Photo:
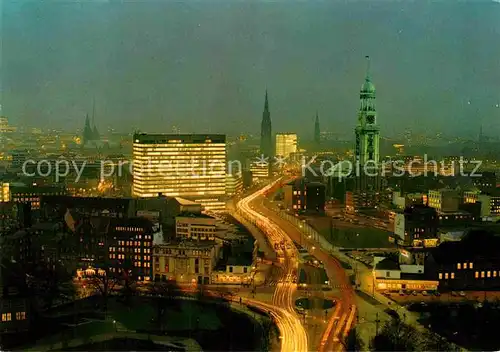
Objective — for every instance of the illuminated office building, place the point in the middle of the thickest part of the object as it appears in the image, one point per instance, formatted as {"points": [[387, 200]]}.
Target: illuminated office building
{"points": [[188, 166], [4, 192], [286, 144]]}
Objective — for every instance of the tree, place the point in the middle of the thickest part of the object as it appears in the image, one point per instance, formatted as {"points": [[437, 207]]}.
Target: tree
{"points": [[353, 341], [104, 281], [51, 284], [397, 336]]}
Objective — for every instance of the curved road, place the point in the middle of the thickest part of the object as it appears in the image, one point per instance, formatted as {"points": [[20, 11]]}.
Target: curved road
{"points": [[293, 334], [344, 317]]}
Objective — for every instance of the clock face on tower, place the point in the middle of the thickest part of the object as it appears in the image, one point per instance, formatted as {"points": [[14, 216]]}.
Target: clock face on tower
{"points": [[370, 119]]}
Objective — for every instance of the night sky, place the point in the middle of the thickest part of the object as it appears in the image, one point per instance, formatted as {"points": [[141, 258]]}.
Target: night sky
{"points": [[204, 66]]}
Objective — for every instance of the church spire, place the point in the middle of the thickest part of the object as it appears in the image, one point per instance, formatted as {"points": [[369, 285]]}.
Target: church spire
{"points": [[266, 104], [317, 131], [266, 147], [87, 130]]}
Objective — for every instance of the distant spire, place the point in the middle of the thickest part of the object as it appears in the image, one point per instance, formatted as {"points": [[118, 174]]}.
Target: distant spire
{"points": [[317, 131], [266, 103]]}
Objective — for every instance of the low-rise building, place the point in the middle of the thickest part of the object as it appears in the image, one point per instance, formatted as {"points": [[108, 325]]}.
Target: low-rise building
{"points": [[445, 199], [185, 261], [416, 226], [470, 264], [195, 227], [14, 303], [303, 196]]}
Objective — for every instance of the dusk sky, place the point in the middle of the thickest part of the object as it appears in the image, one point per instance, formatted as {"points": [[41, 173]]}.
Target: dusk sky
{"points": [[204, 66]]}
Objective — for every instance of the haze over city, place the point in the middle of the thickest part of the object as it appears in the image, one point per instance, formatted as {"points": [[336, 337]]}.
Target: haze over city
{"points": [[203, 67]]}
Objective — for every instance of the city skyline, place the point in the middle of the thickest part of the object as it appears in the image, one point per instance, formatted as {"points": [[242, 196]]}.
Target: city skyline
{"points": [[304, 69]]}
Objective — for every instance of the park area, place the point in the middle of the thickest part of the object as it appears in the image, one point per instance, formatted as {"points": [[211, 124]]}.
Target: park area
{"points": [[149, 323], [347, 235]]}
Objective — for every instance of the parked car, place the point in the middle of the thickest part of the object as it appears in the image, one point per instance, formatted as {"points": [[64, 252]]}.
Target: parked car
{"points": [[424, 293], [462, 294], [414, 293], [401, 293], [454, 294]]}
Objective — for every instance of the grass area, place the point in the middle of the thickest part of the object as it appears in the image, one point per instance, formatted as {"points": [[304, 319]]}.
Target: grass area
{"points": [[183, 315], [343, 235]]}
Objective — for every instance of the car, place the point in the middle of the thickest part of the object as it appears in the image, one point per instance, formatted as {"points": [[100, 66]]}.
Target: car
{"points": [[387, 293], [461, 294], [401, 293], [423, 304], [424, 293], [414, 293], [454, 294]]}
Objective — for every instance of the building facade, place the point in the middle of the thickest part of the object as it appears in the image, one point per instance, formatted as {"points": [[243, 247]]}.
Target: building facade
{"points": [[286, 144], [198, 227], [185, 261], [187, 166]]}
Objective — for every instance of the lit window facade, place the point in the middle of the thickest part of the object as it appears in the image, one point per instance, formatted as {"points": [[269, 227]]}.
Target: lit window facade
{"points": [[286, 144], [191, 166]]}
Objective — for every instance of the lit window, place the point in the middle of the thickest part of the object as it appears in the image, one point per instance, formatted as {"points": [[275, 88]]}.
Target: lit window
{"points": [[494, 274], [6, 317], [465, 265], [488, 274], [20, 315], [446, 275], [476, 274], [470, 265], [459, 266], [440, 276], [452, 275], [482, 274]]}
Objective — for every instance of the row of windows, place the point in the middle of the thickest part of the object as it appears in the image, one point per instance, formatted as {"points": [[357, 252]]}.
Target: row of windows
{"points": [[8, 316], [477, 274], [465, 266], [489, 273], [127, 228], [141, 264]]}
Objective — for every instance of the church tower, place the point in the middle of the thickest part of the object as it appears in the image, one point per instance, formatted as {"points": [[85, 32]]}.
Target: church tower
{"points": [[317, 131], [367, 131], [87, 131], [266, 145]]}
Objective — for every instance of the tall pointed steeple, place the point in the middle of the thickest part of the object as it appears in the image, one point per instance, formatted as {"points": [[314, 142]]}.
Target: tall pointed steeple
{"points": [[317, 131], [87, 130], [266, 146]]}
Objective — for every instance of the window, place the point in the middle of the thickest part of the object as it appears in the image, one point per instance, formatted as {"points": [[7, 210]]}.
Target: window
{"points": [[20, 315], [459, 266], [476, 275], [482, 274], [230, 269], [488, 274], [465, 265], [494, 274], [452, 275], [470, 265], [440, 276], [245, 270], [6, 317]]}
